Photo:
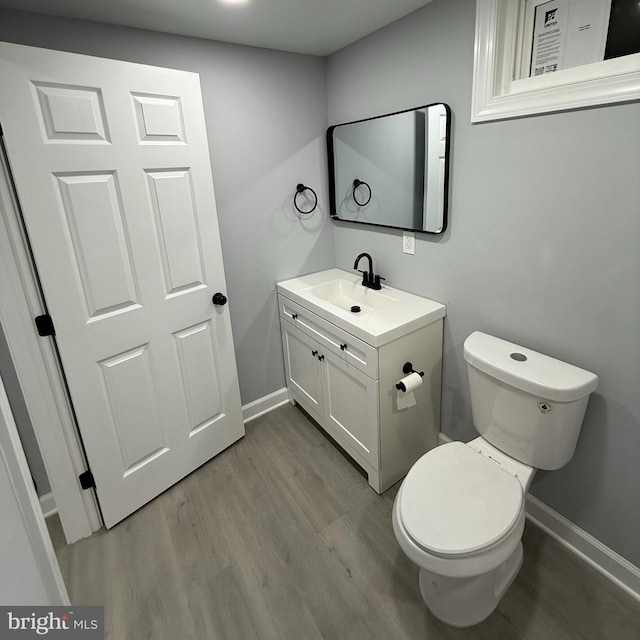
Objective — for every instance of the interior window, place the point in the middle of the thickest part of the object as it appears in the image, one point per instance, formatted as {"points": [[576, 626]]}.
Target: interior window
{"points": [[540, 56], [561, 34]]}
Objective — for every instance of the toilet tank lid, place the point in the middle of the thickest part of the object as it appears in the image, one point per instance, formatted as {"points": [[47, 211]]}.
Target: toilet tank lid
{"points": [[528, 370]]}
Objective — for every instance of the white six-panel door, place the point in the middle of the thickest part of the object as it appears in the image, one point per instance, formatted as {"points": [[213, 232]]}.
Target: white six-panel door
{"points": [[111, 165]]}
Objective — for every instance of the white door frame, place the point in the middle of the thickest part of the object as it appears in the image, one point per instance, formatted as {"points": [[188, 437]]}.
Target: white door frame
{"points": [[13, 458], [38, 372]]}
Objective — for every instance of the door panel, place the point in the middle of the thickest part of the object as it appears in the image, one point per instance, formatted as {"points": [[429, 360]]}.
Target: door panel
{"points": [[170, 192], [199, 375], [134, 416], [111, 165], [71, 114], [158, 118], [95, 227]]}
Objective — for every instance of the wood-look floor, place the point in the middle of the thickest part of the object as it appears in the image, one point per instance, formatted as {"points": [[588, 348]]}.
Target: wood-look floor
{"points": [[281, 537]]}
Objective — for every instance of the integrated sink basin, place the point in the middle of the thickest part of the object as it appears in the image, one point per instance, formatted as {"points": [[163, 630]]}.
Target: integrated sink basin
{"points": [[384, 315], [346, 294]]}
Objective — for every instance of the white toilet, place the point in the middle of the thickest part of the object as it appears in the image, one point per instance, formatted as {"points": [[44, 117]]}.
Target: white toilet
{"points": [[459, 514]]}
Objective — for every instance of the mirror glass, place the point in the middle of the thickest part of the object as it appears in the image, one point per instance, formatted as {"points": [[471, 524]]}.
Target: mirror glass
{"points": [[392, 170]]}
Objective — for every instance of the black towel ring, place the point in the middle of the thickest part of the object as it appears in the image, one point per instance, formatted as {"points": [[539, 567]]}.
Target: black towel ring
{"points": [[359, 183], [300, 188]]}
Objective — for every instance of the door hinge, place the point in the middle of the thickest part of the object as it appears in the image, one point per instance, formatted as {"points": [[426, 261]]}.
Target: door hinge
{"points": [[86, 480], [44, 325]]}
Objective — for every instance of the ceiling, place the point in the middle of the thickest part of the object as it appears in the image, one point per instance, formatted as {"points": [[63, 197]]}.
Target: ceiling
{"points": [[317, 27]]}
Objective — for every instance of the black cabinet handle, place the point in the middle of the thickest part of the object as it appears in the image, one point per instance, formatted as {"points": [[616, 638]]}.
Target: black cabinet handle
{"points": [[343, 346], [219, 299], [314, 353], [321, 358], [294, 316]]}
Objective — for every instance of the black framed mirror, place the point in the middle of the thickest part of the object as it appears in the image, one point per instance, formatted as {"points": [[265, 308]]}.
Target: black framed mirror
{"points": [[392, 170]]}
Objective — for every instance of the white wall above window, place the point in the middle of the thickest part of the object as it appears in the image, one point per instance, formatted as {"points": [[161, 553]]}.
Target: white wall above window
{"points": [[497, 95]]}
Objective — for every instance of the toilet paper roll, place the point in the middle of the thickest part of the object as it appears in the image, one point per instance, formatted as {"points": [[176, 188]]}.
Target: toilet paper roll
{"points": [[410, 383]]}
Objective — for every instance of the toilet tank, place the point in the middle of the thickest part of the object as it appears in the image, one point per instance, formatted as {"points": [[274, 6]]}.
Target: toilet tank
{"points": [[529, 405]]}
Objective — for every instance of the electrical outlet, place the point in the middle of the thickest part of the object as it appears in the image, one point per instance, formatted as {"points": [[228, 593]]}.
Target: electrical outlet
{"points": [[409, 243]]}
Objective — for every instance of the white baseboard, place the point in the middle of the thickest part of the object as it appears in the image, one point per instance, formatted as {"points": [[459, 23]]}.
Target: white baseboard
{"points": [[263, 405], [610, 564], [605, 560], [48, 504]]}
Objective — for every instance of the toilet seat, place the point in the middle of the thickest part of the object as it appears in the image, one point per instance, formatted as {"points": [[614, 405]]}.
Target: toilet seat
{"points": [[455, 502]]}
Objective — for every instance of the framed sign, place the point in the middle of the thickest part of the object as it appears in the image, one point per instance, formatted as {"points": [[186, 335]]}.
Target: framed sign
{"points": [[536, 56]]}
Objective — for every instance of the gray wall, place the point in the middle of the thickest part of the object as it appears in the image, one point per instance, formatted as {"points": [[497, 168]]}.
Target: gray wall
{"points": [[266, 116], [541, 249]]}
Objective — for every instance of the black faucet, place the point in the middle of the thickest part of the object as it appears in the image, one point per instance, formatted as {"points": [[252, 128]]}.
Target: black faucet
{"points": [[369, 279]]}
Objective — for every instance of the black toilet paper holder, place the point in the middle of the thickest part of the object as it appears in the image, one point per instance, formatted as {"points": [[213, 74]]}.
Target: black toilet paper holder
{"points": [[407, 368]]}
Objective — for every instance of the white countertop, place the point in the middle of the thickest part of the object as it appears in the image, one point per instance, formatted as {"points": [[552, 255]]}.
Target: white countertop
{"points": [[399, 312]]}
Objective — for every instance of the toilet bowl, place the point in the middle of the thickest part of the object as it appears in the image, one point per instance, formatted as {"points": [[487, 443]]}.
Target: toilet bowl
{"points": [[459, 514]]}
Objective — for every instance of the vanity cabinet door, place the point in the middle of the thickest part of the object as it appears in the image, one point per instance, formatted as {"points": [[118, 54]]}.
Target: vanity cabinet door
{"points": [[351, 409], [303, 369]]}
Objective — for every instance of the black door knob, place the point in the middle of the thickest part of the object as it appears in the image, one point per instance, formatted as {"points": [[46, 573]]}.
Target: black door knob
{"points": [[219, 298]]}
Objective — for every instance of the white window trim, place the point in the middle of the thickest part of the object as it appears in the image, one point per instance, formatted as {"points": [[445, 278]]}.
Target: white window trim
{"points": [[496, 96]]}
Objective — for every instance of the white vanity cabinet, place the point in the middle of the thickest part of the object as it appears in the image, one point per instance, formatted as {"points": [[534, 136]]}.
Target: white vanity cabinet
{"points": [[326, 375], [347, 385]]}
